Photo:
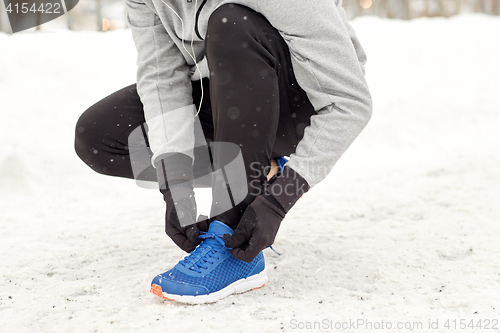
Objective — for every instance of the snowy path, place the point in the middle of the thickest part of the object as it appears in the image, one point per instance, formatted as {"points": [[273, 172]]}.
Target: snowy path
{"points": [[405, 229]]}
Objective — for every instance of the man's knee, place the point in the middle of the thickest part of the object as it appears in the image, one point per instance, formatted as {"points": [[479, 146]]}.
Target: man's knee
{"points": [[87, 142], [229, 25]]}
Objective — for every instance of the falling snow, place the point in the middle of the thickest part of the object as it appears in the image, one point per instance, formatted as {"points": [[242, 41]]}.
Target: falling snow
{"points": [[404, 229]]}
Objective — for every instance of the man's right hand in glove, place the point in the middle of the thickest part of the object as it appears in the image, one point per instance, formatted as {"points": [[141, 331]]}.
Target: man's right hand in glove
{"points": [[182, 211], [175, 177]]}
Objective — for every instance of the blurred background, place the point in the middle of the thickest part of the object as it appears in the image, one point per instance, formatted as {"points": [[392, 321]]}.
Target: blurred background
{"points": [[403, 229], [104, 15]]}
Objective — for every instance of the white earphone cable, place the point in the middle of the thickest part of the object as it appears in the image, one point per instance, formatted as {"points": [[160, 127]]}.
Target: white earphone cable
{"points": [[193, 55]]}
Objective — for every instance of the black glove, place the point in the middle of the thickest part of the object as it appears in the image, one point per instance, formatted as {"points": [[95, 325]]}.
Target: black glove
{"points": [[175, 177], [183, 210], [259, 224]]}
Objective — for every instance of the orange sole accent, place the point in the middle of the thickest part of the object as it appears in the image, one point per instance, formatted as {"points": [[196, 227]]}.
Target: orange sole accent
{"points": [[259, 287], [156, 289]]}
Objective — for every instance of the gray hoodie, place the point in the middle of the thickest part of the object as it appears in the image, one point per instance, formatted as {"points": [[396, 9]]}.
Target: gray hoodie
{"points": [[327, 59]]}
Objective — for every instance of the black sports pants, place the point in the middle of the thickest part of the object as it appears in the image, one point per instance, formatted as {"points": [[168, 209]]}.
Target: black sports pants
{"points": [[254, 101]]}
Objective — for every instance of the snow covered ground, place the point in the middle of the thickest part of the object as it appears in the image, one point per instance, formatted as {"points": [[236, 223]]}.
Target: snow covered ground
{"points": [[404, 230]]}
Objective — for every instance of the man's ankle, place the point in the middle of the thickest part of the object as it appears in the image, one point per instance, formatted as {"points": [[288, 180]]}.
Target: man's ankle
{"points": [[273, 170]]}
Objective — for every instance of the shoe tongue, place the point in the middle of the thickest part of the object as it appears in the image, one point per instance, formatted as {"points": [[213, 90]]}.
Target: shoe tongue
{"points": [[219, 228]]}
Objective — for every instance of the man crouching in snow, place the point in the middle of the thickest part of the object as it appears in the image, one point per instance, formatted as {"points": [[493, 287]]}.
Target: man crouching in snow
{"points": [[271, 78]]}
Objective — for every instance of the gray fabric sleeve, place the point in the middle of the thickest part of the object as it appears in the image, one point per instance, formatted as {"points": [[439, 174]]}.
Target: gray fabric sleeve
{"points": [[327, 66], [360, 52], [163, 82]]}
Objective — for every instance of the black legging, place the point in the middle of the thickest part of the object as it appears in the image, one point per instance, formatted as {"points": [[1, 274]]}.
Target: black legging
{"points": [[251, 72]]}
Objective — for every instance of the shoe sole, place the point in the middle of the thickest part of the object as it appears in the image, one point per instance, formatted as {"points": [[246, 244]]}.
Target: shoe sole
{"points": [[253, 282]]}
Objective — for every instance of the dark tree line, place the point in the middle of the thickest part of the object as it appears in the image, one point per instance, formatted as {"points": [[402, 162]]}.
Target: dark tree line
{"points": [[408, 9], [92, 11]]}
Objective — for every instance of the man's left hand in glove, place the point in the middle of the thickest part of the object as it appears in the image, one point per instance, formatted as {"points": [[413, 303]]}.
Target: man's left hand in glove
{"points": [[259, 224]]}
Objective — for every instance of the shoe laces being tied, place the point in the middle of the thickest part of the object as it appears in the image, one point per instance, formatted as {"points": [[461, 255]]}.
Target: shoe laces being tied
{"points": [[210, 249]]}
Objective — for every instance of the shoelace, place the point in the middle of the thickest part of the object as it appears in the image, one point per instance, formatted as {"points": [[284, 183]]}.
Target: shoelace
{"points": [[274, 250], [206, 252]]}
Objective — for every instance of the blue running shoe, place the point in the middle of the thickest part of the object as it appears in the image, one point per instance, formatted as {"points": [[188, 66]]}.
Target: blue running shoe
{"points": [[210, 272], [281, 161]]}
